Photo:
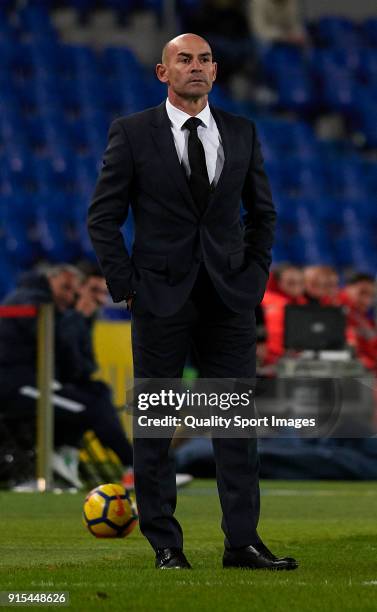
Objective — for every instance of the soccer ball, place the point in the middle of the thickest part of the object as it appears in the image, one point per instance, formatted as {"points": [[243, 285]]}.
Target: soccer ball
{"points": [[109, 512]]}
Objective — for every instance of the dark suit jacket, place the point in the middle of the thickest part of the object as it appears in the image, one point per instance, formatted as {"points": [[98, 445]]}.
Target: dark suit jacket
{"points": [[141, 168]]}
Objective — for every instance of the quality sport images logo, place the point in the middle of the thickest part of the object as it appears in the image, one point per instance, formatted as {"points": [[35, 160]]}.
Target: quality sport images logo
{"points": [[304, 407]]}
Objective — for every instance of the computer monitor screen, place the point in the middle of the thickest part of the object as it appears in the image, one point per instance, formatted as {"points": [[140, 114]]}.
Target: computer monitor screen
{"points": [[314, 328]]}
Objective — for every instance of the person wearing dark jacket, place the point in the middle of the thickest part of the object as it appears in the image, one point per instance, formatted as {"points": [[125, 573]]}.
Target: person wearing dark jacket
{"points": [[76, 361], [18, 336], [79, 404], [193, 279]]}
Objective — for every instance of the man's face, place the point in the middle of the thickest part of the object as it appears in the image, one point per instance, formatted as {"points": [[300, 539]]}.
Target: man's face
{"points": [[362, 295], [188, 69], [332, 284], [317, 285], [292, 282], [64, 289], [95, 289]]}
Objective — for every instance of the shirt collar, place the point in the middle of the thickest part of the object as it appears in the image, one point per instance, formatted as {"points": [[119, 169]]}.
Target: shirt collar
{"points": [[179, 117]]}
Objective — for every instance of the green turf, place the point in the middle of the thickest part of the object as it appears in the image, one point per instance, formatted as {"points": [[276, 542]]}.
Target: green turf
{"points": [[330, 527]]}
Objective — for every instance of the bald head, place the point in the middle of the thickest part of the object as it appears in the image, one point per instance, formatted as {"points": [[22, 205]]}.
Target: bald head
{"points": [[188, 70], [175, 44]]}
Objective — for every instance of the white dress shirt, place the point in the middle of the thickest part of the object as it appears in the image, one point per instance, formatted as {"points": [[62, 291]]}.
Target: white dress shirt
{"points": [[208, 134]]}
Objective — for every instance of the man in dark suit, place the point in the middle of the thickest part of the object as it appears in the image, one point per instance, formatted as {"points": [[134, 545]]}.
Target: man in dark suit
{"points": [[195, 276]]}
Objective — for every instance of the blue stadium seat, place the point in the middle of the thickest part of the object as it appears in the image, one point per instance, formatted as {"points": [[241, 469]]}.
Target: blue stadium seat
{"points": [[287, 210], [19, 223], [37, 132], [77, 134], [71, 99], [58, 240], [368, 65], [57, 102], [369, 171], [346, 177], [116, 60], [27, 98], [85, 173], [275, 175], [51, 178], [370, 30], [342, 252], [36, 19], [23, 179], [154, 90], [280, 56], [366, 118], [283, 137], [359, 228], [6, 279], [295, 89], [336, 72], [128, 231], [334, 59], [303, 178], [6, 5], [337, 31], [338, 91], [286, 69], [297, 250], [73, 60], [11, 124], [329, 212], [21, 63], [280, 253], [8, 270], [7, 46]]}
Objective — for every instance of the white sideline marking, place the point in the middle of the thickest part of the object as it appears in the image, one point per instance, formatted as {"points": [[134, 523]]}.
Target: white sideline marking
{"points": [[314, 492], [372, 492], [259, 583]]}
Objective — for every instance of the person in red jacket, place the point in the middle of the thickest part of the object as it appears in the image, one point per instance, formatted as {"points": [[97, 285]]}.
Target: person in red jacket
{"points": [[321, 285], [286, 287], [357, 297]]}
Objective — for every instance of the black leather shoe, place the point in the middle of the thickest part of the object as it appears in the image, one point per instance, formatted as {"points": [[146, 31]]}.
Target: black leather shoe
{"points": [[257, 557], [171, 558]]}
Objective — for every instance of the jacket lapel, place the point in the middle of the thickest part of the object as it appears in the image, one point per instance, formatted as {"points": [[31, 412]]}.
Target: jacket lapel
{"points": [[164, 141], [223, 128]]}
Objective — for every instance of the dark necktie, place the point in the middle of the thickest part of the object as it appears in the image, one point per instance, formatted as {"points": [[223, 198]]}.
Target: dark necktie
{"points": [[198, 181]]}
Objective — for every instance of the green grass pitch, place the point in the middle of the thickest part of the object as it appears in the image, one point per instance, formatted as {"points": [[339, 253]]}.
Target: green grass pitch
{"points": [[330, 527]]}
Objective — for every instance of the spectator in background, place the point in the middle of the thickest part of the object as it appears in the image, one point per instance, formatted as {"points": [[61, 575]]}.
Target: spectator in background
{"points": [[321, 285], [77, 364], [332, 285], [287, 288], [18, 336], [358, 297], [78, 406], [276, 21], [75, 358]]}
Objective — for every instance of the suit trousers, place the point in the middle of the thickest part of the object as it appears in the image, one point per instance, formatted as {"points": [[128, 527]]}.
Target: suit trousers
{"points": [[223, 342]]}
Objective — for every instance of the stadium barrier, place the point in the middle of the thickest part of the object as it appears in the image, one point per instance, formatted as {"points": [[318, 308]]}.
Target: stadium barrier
{"points": [[45, 376]]}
